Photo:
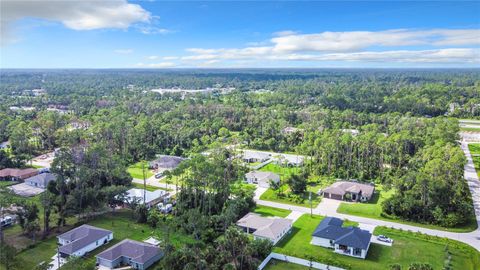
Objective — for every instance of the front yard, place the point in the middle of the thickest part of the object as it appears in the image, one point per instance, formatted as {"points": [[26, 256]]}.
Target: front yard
{"points": [[408, 247], [136, 170], [281, 265], [373, 209], [302, 200], [267, 211]]}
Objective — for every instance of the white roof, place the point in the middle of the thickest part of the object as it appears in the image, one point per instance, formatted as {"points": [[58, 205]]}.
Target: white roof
{"points": [[263, 176], [137, 193]]}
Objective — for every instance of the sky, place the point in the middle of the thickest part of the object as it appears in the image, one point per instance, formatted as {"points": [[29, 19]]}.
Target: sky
{"points": [[231, 34]]}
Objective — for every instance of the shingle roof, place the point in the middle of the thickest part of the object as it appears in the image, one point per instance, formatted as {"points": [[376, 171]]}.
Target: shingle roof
{"points": [[263, 176], [331, 228], [247, 154], [265, 227], [137, 193], [138, 251], [42, 179], [20, 173], [341, 187], [164, 161], [81, 237]]}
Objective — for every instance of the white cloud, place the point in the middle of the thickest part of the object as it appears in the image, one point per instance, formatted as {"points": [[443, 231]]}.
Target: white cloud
{"points": [[152, 57], [170, 58], [285, 33], [152, 30], [74, 14], [157, 65], [123, 51]]}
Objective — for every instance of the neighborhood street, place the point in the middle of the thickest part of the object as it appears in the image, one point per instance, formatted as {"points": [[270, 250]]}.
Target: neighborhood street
{"points": [[329, 207]]}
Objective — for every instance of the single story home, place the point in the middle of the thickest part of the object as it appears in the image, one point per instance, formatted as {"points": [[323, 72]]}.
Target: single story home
{"points": [[289, 160], [291, 130], [83, 239], [249, 156], [151, 197], [355, 191], [40, 180], [17, 174], [354, 132], [273, 229], [136, 254], [262, 179], [165, 162], [350, 241]]}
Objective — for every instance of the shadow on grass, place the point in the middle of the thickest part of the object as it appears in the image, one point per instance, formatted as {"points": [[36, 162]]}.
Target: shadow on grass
{"points": [[288, 237]]}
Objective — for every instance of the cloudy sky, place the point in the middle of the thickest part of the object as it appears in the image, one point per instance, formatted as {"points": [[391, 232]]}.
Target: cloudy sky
{"points": [[184, 34]]}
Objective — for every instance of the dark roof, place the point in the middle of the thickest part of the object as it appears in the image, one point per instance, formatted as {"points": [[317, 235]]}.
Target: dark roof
{"points": [[331, 228], [164, 161], [43, 178], [356, 238], [138, 251], [19, 173], [81, 237], [342, 187]]}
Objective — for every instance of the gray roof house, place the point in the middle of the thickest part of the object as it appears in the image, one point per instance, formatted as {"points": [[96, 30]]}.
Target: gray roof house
{"points": [[272, 229], [138, 255], [350, 241], [166, 162], [40, 180], [81, 240], [356, 191], [262, 179], [255, 156]]}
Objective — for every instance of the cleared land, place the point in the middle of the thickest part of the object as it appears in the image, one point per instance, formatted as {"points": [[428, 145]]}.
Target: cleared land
{"points": [[280, 265], [408, 247], [373, 209], [267, 211], [136, 170], [122, 225]]}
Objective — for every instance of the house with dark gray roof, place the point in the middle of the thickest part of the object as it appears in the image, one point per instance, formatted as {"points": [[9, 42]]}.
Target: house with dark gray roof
{"points": [[81, 240], [138, 255], [350, 241], [40, 180], [166, 162], [354, 191]]}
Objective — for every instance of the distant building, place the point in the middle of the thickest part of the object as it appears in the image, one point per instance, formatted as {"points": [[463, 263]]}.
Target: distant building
{"points": [[17, 174], [5, 145], [291, 130], [289, 160], [354, 132], [273, 229], [137, 254], [262, 179], [349, 241], [40, 180], [166, 162], [356, 191], [255, 156], [83, 239], [151, 197]]}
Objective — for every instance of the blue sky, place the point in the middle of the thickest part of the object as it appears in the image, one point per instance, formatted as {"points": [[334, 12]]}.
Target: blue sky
{"points": [[159, 34]]}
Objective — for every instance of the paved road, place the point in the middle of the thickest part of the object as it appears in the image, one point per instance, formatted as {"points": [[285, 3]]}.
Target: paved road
{"points": [[329, 208]]}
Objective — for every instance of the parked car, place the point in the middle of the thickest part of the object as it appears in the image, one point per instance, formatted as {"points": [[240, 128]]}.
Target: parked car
{"points": [[165, 208], [158, 175], [385, 239], [43, 170], [6, 221]]}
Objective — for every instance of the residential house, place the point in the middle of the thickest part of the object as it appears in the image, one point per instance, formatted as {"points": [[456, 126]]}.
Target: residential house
{"points": [[273, 229], [262, 179], [289, 160], [17, 174], [4, 145], [81, 240], [354, 132], [350, 241], [132, 253], [354, 191], [166, 162], [255, 156], [151, 197], [40, 180], [291, 130]]}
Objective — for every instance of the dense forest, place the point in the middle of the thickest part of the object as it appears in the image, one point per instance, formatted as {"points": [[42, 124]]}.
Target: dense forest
{"points": [[398, 128]]}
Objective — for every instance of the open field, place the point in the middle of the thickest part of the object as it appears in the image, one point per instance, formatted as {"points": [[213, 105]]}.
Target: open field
{"points": [[122, 226], [281, 265], [267, 211], [284, 172], [270, 195], [373, 209], [408, 247], [136, 170]]}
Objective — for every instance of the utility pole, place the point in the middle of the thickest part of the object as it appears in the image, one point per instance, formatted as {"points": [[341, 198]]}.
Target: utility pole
{"points": [[310, 199], [144, 182]]}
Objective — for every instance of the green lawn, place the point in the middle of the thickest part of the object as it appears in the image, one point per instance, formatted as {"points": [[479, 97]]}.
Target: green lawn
{"points": [[122, 226], [136, 170], [474, 148], [7, 183], [373, 209], [267, 211], [281, 265], [472, 129], [408, 247], [149, 188], [270, 195], [284, 172]]}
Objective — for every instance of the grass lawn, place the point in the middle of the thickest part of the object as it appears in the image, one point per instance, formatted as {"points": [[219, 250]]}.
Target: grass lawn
{"points": [[281, 265], [267, 211], [474, 148], [122, 226], [373, 209], [471, 129], [284, 172], [136, 170], [149, 188], [270, 195], [408, 247], [7, 183]]}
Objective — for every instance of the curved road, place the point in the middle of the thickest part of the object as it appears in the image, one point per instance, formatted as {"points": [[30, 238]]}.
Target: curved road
{"points": [[329, 208]]}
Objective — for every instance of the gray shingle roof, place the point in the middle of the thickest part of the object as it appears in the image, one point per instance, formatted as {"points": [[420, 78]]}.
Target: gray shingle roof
{"points": [[81, 237], [331, 228], [138, 251], [42, 179], [341, 187]]}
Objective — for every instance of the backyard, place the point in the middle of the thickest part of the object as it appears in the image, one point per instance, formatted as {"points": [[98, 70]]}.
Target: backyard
{"points": [[373, 209], [408, 247], [136, 170], [122, 225], [281, 265]]}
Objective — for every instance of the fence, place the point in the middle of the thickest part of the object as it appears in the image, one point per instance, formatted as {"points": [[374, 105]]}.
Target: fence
{"points": [[290, 259]]}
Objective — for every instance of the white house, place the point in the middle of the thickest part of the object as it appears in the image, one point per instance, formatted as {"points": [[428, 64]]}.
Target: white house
{"points": [[83, 239], [151, 197], [250, 156], [262, 179], [273, 229], [350, 241]]}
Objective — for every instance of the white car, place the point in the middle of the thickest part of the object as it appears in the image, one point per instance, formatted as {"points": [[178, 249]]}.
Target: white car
{"points": [[385, 239]]}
